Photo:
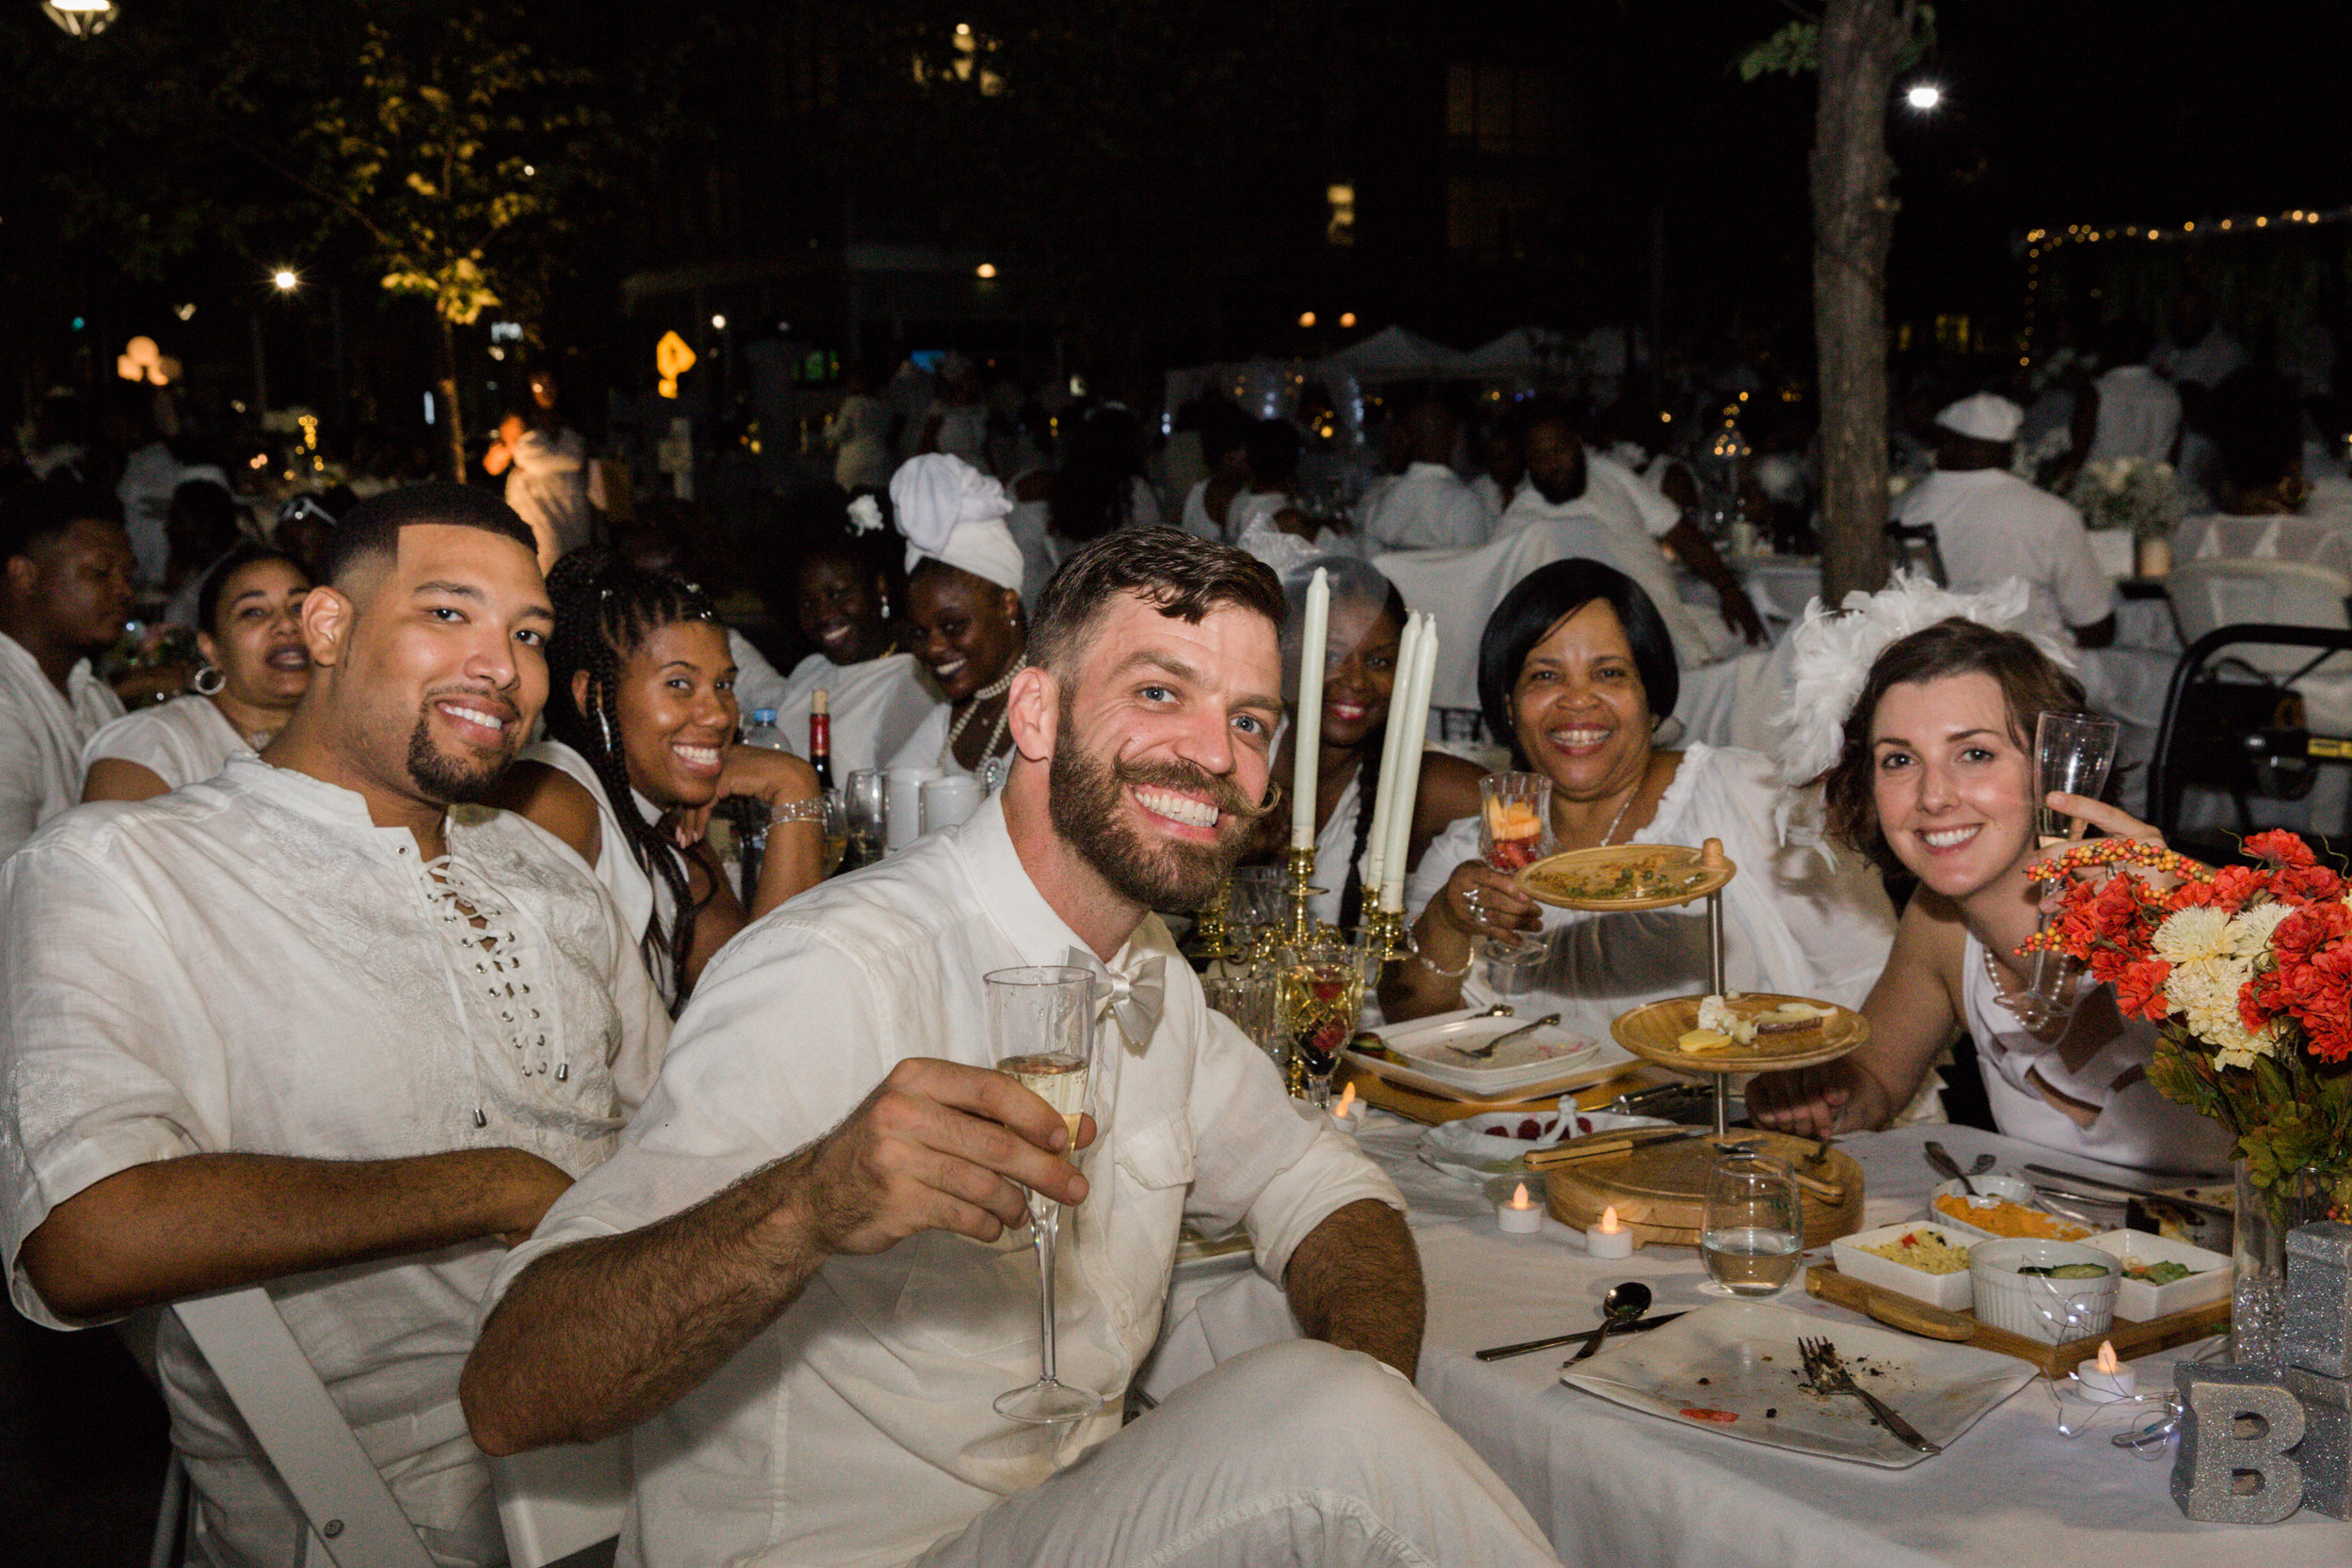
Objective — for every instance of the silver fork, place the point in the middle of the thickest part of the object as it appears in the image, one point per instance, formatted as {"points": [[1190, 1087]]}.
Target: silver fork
{"points": [[1828, 1375]]}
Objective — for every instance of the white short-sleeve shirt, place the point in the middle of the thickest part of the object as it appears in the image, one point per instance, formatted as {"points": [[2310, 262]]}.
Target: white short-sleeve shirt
{"points": [[1991, 525], [181, 742], [1429, 509], [858, 1427], [250, 965], [43, 731]]}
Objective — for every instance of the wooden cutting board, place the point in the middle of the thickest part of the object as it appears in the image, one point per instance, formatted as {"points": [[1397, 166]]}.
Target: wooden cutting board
{"points": [[2130, 1339], [1661, 1192], [1413, 1104]]}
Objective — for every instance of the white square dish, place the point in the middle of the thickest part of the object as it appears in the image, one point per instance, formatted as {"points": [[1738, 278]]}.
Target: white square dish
{"points": [[2139, 1300], [1951, 1292], [1426, 1053]]}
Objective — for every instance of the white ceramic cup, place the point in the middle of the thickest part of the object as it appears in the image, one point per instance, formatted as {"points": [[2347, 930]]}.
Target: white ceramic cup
{"points": [[950, 801], [903, 812]]}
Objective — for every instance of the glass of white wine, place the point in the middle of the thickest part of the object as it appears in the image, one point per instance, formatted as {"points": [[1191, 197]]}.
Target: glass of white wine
{"points": [[1041, 1029], [2074, 754], [1752, 1225]]}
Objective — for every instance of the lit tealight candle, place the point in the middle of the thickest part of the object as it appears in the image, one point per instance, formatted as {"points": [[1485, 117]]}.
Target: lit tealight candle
{"points": [[1609, 1239], [1520, 1217], [1346, 1114], [2105, 1380]]}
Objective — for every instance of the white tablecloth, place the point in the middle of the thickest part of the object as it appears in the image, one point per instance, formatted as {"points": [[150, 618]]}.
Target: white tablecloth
{"points": [[1614, 1487]]}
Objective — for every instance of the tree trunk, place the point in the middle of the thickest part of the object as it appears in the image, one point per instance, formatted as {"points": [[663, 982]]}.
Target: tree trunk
{"points": [[453, 418], [1853, 224]]}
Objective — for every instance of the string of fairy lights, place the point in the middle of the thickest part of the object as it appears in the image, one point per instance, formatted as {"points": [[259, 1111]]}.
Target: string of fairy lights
{"points": [[2039, 241]]}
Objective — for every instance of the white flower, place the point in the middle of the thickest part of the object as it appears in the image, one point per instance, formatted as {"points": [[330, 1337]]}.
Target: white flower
{"points": [[865, 514], [2199, 931], [2205, 990], [2250, 931]]}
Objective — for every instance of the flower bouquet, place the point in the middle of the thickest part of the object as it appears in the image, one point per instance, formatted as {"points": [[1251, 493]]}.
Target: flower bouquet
{"points": [[2247, 974], [2130, 494]]}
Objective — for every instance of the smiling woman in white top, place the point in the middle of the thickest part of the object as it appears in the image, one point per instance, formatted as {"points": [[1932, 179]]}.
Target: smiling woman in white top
{"points": [[256, 668], [642, 721], [963, 602]]}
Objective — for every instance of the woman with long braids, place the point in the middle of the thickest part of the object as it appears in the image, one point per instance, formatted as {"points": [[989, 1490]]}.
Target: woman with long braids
{"points": [[641, 722], [963, 602], [1366, 628]]}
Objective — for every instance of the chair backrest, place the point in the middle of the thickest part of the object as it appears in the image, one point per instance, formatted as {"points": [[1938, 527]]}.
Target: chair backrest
{"points": [[1780, 589], [2314, 541], [1913, 548], [353, 1517], [2223, 591], [553, 1502]]}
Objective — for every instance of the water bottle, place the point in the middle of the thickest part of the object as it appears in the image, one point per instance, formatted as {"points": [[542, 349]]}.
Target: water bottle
{"points": [[762, 730], [751, 823]]}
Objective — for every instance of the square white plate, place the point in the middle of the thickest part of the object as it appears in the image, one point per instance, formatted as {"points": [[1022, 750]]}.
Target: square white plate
{"points": [[1951, 1292], [1740, 1357], [2139, 1301], [1466, 1148], [1546, 1056]]}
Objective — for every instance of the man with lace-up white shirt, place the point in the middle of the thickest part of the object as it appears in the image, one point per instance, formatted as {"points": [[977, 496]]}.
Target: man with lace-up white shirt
{"points": [[795, 1282], [297, 1026]]}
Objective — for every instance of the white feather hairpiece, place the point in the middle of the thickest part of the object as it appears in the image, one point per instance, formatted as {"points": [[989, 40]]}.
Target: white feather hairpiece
{"points": [[1831, 651]]}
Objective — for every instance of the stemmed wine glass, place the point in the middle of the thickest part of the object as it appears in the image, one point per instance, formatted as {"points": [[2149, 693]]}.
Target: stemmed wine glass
{"points": [[2073, 754], [1041, 1028]]}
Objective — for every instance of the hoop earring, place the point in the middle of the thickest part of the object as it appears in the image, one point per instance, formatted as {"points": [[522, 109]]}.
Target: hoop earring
{"points": [[208, 680]]}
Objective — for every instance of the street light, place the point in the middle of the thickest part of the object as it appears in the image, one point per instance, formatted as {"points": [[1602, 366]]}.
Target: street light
{"points": [[82, 18], [1924, 96], [286, 280]]}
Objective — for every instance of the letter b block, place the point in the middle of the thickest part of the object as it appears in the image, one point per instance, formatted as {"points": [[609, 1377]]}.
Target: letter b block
{"points": [[2319, 1298], [2215, 1456]]}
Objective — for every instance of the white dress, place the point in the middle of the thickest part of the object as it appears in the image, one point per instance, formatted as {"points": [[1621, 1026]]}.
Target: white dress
{"points": [[1794, 920], [640, 895], [186, 739], [2136, 1126], [876, 705]]}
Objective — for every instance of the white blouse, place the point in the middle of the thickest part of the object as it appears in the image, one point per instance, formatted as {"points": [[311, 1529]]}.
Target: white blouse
{"points": [[1796, 920], [184, 741]]}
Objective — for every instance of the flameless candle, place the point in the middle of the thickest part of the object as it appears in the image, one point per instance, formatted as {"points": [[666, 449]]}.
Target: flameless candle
{"points": [[1349, 1116], [2105, 1380], [1609, 1239], [1520, 1217], [1308, 741], [1408, 711], [1392, 754]]}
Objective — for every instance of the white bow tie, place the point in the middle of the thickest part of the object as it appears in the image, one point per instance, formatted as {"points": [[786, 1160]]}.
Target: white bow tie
{"points": [[1132, 1000]]}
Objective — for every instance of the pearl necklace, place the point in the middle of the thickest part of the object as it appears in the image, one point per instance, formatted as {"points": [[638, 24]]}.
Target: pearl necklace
{"points": [[2037, 1016], [991, 770]]}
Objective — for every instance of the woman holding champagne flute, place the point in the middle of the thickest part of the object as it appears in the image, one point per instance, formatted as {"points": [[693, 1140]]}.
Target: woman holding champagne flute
{"points": [[1577, 671], [1932, 773]]}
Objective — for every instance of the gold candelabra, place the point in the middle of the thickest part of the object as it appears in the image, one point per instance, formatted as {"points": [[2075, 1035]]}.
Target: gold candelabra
{"points": [[1384, 939], [1303, 890]]}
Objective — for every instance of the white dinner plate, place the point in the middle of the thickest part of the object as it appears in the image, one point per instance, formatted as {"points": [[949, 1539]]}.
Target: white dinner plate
{"points": [[1431, 1062], [1478, 1149], [1740, 1358]]}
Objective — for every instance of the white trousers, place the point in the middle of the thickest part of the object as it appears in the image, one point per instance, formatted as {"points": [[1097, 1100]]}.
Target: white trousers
{"points": [[1292, 1454]]}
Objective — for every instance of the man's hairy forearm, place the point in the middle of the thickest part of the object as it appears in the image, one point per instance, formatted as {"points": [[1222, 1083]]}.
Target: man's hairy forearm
{"points": [[210, 1222], [596, 1337], [1355, 1282]]}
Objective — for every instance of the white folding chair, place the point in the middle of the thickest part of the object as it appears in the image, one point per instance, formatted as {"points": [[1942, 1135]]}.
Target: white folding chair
{"points": [[562, 1505], [2223, 591], [354, 1522]]}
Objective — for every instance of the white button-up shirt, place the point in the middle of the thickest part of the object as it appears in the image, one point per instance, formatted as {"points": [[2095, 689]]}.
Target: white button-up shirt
{"points": [[43, 731], [1429, 509], [857, 1429], [250, 965], [1991, 525], [1623, 516]]}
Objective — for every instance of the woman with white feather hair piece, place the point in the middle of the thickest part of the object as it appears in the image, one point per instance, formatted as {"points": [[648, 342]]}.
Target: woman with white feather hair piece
{"points": [[1916, 709]]}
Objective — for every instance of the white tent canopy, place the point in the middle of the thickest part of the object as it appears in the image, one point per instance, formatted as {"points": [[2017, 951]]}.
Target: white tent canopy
{"points": [[1397, 354]]}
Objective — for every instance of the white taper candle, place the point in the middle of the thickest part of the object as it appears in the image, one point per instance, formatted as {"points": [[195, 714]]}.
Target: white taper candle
{"points": [[1413, 714], [1392, 747], [1308, 727]]}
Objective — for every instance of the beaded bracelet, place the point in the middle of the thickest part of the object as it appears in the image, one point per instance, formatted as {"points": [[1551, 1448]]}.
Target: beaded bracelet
{"points": [[1422, 959], [2106, 851], [809, 810]]}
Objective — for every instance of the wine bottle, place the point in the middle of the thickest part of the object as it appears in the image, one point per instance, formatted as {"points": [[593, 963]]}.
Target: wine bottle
{"points": [[820, 738]]}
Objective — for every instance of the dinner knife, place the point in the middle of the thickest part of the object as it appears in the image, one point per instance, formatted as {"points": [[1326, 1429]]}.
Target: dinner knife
{"points": [[2099, 1181], [1639, 1325]]}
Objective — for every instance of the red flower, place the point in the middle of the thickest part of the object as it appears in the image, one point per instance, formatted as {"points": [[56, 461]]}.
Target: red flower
{"points": [[2280, 848], [2139, 989]]}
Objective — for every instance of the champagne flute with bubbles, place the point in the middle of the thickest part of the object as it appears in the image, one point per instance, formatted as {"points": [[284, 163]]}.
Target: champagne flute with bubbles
{"points": [[1041, 1028]]}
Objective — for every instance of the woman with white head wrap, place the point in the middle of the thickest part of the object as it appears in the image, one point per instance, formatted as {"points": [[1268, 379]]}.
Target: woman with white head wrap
{"points": [[964, 608], [1359, 654]]}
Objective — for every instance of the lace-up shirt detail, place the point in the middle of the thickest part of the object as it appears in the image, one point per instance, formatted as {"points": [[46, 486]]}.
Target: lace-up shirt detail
{"points": [[495, 969]]}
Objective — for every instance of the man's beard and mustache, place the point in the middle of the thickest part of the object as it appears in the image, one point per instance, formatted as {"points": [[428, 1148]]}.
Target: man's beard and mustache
{"points": [[1084, 795], [455, 779], [1560, 494]]}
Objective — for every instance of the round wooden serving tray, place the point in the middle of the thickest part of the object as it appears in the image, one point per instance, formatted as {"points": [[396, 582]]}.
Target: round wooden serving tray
{"points": [[1651, 1032], [1553, 879], [1661, 1192]]}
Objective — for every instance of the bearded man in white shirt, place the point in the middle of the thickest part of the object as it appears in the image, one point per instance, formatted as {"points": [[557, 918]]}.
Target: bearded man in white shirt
{"points": [[64, 592], [1630, 519], [294, 1026], [795, 1281]]}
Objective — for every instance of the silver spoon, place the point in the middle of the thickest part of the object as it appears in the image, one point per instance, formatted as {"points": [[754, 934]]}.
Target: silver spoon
{"points": [[1941, 1160], [1621, 1305]]}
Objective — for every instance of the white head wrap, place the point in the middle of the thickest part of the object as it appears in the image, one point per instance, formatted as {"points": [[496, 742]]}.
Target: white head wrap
{"points": [[1832, 652], [949, 511], [1986, 417]]}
